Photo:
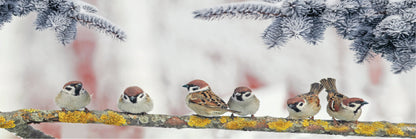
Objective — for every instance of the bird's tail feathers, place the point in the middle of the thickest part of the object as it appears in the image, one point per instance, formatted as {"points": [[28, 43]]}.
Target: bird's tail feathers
{"points": [[316, 88], [329, 84]]}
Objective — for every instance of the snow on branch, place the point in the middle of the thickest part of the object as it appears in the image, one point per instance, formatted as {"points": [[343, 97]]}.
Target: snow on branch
{"points": [[375, 26], [11, 121], [61, 16], [252, 10]]}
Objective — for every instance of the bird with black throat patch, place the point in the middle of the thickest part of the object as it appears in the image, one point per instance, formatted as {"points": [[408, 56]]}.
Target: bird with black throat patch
{"points": [[202, 100], [135, 101], [305, 105], [340, 106], [73, 96], [244, 101]]}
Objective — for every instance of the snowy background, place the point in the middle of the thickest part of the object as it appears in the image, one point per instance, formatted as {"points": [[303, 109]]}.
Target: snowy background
{"points": [[167, 48]]}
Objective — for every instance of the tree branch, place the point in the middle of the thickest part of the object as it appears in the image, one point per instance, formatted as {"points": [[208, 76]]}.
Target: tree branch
{"points": [[61, 16], [27, 131], [20, 118], [252, 10]]}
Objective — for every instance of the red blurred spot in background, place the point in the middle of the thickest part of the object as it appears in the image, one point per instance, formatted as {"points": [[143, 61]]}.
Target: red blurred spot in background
{"points": [[252, 81], [375, 70], [51, 129], [84, 50], [291, 91]]}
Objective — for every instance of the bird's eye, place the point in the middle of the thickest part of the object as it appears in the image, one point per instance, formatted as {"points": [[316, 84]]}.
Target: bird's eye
{"points": [[248, 94], [301, 104], [351, 105], [195, 88], [141, 95], [125, 97], [68, 88]]}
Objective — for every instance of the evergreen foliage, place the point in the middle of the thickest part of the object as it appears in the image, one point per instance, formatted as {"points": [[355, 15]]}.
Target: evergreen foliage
{"points": [[375, 26], [60, 15]]}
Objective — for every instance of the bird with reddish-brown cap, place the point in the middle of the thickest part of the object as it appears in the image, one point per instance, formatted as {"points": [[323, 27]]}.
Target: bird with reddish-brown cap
{"points": [[340, 106], [203, 101], [73, 96], [134, 100], [305, 105], [243, 101]]}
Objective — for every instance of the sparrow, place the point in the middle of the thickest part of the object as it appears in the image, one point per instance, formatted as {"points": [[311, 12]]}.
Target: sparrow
{"points": [[340, 106], [203, 101], [305, 105], [134, 100], [244, 102], [73, 97]]}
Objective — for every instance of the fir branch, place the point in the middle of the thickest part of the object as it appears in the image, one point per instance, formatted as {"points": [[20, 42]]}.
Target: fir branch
{"points": [[60, 16], [87, 7], [23, 117], [272, 1], [375, 26], [94, 21], [273, 35], [252, 10]]}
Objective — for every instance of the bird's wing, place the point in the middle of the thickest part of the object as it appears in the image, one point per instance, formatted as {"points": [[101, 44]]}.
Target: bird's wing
{"points": [[208, 99], [335, 101]]}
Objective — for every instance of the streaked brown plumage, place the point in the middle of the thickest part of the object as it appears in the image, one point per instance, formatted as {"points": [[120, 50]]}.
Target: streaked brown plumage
{"points": [[305, 105], [340, 106], [203, 101]]}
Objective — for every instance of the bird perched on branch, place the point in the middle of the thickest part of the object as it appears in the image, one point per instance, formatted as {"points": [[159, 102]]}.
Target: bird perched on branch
{"points": [[134, 100], [203, 101], [243, 101], [340, 106], [73, 97], [305, 105]]}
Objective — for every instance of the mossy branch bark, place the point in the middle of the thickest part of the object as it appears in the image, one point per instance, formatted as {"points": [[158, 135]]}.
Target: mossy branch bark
{"points": [[27, 131], [16, 119]]}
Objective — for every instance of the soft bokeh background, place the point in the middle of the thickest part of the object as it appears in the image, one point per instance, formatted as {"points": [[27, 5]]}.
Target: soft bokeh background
{"points": [[167, 48]]}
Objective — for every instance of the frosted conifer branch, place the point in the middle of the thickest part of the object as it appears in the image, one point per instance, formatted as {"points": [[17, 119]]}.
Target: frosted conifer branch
{"points": [[60, 16], [375, 26], [272, 1], [253, 10], [274, 35], [94, 21], [87, 7]]}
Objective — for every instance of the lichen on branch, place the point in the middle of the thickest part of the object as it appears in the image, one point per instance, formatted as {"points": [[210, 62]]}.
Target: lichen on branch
{"points": [[21, 118]]}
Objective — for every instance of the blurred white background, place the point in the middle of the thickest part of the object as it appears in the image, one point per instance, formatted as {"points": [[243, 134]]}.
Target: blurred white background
{"points": [[167, 48]]}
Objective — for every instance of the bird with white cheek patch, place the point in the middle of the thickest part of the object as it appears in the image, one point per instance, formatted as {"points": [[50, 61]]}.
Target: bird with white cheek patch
{"points": [[305, 105], [134, 100], [340, 106], [244, 101], [203, 101], [73, 97]]}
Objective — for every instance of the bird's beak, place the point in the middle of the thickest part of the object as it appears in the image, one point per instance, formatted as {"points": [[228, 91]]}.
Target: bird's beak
{"points": [[78, 88], [291, 106], [133, 99], [78, 85], [186, 86], [364, 102]]}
